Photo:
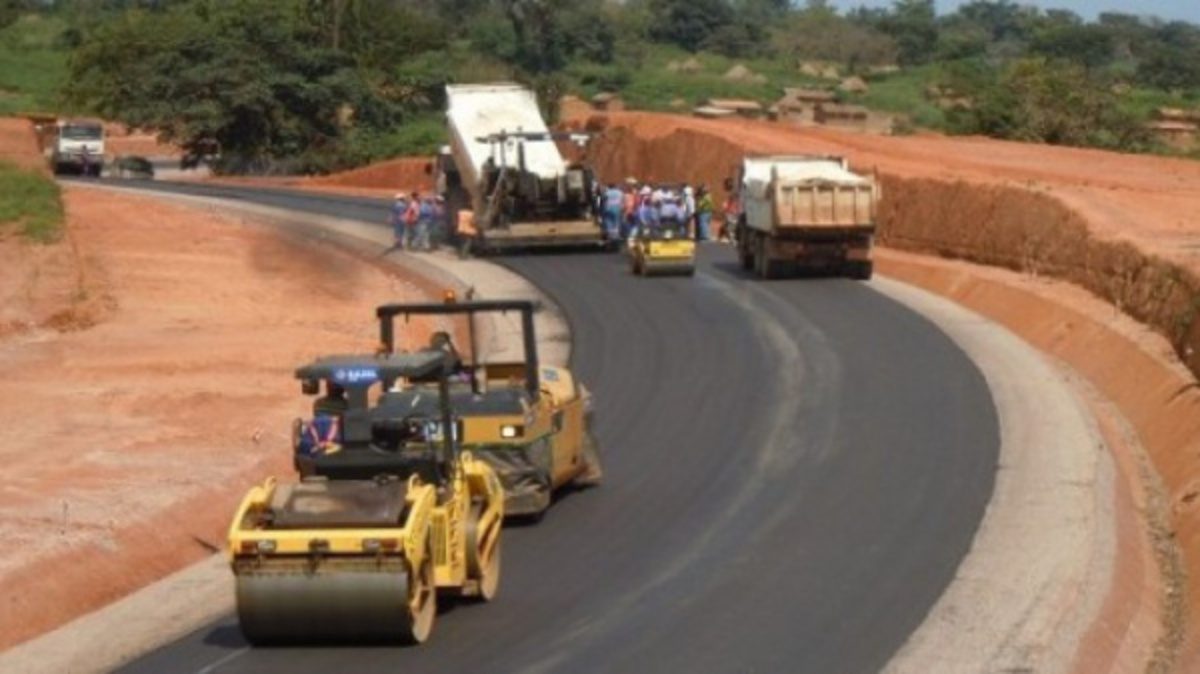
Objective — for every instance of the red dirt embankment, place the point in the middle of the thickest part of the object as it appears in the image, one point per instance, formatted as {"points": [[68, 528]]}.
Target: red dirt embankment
{"points": [[405, 174], [382, 180], [19, 145], [1120, 226], [148, 382]]}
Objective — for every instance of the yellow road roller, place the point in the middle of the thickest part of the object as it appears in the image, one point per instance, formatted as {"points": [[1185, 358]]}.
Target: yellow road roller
{"points": [[662, 250], [530, 422], [389, 515]]}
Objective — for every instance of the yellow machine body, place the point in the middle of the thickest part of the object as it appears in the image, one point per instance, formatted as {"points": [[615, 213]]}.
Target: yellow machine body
{"points": [[322, 560], [653, 255]]}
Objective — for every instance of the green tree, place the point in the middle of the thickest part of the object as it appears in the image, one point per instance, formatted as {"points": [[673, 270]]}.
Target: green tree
{"points": [[1088, 45], [253, 76], [913, 25], [11, 10], [688, 23], [819, 33], [1056, 102]]}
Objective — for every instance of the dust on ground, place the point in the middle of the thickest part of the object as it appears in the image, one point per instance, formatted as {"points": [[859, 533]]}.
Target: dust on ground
{"points": [[148, 381]]}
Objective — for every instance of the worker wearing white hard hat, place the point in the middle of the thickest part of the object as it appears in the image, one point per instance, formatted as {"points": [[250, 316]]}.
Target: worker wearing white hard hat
{"points": [[689, 210]]}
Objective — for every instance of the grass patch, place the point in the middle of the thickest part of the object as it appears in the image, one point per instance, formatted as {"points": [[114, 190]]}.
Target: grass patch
{"points": [[649, 85], [30, 202], [33, 65], [904, 93]]}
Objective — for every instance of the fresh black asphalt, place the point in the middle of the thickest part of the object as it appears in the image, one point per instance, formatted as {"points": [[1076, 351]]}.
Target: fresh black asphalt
{"points": [[794, 471]]}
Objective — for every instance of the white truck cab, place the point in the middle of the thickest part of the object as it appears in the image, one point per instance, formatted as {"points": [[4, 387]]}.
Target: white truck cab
{"points": [[79, 147]]}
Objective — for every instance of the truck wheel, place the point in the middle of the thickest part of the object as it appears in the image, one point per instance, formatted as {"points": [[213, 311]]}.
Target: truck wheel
{"points": [[766, 268], [862, 271], [745, 256]]}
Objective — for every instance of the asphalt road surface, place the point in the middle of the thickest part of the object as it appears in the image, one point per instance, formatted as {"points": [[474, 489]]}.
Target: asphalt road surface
{"points": [[794, 470]]}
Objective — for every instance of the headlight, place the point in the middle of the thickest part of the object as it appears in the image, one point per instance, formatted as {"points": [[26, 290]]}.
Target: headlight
{"points": [[264, 547], [378, 544], [509, 431]]}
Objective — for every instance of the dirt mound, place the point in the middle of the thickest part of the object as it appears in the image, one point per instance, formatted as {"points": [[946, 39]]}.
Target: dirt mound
{"points": [[398, 175], [139, 432], [1113, 224]]}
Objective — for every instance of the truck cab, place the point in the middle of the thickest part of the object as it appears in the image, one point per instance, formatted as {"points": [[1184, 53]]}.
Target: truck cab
{"points": [[79, 147]]}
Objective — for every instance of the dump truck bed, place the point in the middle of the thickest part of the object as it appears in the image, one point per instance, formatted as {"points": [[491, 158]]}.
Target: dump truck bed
{"points": [[475, 111], [811, 195]]}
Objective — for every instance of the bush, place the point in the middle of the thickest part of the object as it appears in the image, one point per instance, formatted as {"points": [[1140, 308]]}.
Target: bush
{"points": [[31, 202]]}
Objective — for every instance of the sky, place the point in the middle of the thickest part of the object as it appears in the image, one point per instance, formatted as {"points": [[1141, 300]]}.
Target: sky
{"points": [[1186, 10]]}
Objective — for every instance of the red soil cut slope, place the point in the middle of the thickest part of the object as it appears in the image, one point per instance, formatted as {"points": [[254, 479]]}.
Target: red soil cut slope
{"points": [[405, 174], [19, 145]]}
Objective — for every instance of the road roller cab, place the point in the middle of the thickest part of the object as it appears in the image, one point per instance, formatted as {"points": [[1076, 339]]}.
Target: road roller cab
{"points": [[663, 248], [529, 422], [384, 519], [661, 253]]}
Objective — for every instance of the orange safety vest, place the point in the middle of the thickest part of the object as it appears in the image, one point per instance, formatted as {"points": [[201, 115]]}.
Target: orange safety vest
{"points": [[466, 223]]}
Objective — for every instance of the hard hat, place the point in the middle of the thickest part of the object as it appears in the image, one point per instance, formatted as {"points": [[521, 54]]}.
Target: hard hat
{"points": [[645, 190], [688, 190]]}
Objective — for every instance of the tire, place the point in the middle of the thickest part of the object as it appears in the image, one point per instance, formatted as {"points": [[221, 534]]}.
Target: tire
{"points": [[486, 572], [745, 254], [862, 271], [766, 268], [422, 601]]}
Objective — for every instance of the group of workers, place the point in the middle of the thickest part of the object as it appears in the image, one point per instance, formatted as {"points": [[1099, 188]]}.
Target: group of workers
{"points": [[418, 222], [683, 210]]}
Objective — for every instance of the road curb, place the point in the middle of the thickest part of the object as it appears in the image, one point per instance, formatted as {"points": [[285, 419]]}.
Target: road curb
{"points": [[1042, 560]]}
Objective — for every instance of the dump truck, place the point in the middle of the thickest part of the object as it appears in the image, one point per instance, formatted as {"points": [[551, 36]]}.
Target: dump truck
{"points": [[78, 147], [503, 167], [805, 213], [531, 423], [390, 513]]}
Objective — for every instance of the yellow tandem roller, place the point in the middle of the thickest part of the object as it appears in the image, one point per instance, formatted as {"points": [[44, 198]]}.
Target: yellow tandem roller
{"points": [[391, 515], [662, 251]]}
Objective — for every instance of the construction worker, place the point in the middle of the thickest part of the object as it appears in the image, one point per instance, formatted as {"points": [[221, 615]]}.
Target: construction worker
{"points": [[647, 214], [396, 219], [689, 210], [704, 211], [425, 223], [411, 215], [323, 435], [672, 215], [333, 403], [614, 202], [731, 211], [629, 209]]}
